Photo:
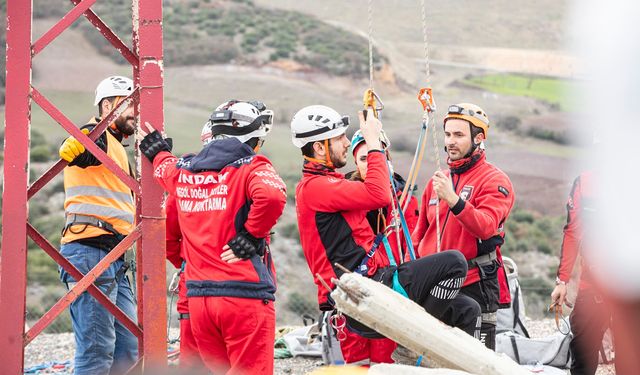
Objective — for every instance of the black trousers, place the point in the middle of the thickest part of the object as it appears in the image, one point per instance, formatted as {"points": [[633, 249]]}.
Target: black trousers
{"points": [[589, 319], [486, 294], [434, 282]]}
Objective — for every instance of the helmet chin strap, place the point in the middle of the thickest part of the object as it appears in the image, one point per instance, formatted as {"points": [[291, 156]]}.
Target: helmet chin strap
{"points": [[474, 146], [327, 161]]}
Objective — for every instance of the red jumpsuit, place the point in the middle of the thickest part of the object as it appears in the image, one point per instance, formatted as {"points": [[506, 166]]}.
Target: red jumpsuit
{"points": [[224, 189], [189, 355]]}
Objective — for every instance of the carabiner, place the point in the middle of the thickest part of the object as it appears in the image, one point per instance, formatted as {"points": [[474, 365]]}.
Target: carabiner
{"points": [[425, 96], [372, 101]]}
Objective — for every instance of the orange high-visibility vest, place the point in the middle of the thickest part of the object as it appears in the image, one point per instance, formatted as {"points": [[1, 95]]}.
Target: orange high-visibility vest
{"points": [[95, 191]]}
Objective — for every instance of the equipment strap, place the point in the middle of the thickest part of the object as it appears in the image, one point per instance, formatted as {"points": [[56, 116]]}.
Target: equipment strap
{"points": [[78, 219], [482, 260], [119, 275]]}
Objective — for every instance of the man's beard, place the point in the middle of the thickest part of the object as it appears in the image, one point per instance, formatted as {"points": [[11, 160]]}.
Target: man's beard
{"points": [[122, 124], [337, 162]]}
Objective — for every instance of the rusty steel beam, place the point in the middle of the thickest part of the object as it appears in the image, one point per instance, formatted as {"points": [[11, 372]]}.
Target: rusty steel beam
{"points": [[148, 75], [81, 285], [93, 135], [110, 36], [90, 145], [13, 261], [48, 248], [147, 42], [61, 26]]}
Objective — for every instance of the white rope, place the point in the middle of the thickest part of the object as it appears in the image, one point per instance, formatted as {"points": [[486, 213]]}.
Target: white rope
{"points": [[370, 17], [431, 115], [425, 40]]}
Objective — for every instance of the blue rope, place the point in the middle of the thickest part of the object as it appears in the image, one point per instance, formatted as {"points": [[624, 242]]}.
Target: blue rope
{"points": [[403, 221]]}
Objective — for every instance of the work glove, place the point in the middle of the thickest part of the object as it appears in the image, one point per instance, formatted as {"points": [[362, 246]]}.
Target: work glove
{"points": [[71, 148], [152, 144], [244, 245]]}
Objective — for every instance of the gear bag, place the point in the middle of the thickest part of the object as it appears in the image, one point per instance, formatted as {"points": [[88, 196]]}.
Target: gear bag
{"points": [[512, 319]]}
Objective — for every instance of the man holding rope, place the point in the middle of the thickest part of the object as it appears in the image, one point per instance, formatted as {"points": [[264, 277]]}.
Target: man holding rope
{"points": [[472, 201]]}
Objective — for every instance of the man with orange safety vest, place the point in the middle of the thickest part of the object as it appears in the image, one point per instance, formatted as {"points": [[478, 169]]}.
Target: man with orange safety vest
{"points": [[99, 213], [474, 199]]}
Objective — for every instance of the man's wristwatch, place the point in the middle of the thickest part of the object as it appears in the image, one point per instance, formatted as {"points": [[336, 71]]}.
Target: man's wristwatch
{"points": [[558, 281]]}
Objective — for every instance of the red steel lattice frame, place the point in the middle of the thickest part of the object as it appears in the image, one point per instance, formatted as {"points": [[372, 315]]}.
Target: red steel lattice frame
{"points": [[146, 60]]}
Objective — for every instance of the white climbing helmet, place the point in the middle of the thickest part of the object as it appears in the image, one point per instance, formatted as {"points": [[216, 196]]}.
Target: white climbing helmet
{"points": [[316, 123], [238, 119], [113, 86]]}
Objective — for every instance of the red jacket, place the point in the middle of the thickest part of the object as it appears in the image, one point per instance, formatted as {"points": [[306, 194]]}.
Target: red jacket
{"points": [[220, 191], [475, 225], [174, 249], [332, 219], [578, 206]]}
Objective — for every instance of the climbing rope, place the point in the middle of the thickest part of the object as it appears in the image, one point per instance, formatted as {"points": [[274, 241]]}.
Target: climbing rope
{"points": [[370, 34], [371, 102], [431, 114], [425, 96]]}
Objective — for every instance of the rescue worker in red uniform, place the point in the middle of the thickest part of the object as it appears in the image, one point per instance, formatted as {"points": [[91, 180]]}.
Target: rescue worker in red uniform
{"points": [[228, 199], [474, 199], [591, 315], [189, 359], [331, 213]]}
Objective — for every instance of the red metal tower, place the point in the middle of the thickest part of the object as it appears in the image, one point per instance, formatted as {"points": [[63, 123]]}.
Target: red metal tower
{"points": [[145, 57]]}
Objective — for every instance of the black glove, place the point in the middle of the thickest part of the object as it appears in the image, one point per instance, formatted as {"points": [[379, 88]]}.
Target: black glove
{"points": [[153, 144], [244, 245]]}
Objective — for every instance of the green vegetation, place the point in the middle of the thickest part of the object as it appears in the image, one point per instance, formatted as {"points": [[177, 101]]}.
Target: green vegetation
{"points": [[530, 231], [215, 32], [551, 90], [512, 123], [41, 150]]}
